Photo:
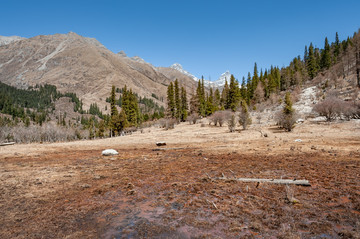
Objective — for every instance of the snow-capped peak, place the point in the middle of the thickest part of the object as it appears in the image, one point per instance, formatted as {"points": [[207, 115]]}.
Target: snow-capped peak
{"points": [[179, 68], [224, 77], [219, 82]]}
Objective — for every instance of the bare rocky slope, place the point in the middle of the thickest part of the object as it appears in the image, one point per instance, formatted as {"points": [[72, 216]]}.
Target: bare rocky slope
{"points": [[81, 65]]}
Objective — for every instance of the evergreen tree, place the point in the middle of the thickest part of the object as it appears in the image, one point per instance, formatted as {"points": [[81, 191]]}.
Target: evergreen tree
{"points": [[217, 99], [112, 102], [114, 112], [194, 103], [233, 95], [121, 122], [171, 101], [224, 95], [184, 105], [337, 45], [255, 80], [243, 89], [133, 114], [311, 63], [326, 56], [306, 54], [288, 120], [177, 100], [210, 108], [200, 93]]}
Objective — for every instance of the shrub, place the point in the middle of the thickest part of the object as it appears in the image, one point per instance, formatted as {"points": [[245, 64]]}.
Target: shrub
{"points": [[193, 118], [170, 123], [330, 108], [286, 118], [349, 110], [220, 117]]}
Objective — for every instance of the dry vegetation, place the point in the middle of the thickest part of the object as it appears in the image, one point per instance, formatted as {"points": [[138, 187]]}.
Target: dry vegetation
{"points": [[68, 190]]}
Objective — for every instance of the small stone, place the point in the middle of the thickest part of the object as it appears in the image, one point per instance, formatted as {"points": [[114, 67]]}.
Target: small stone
{"points": [[313, 147], [85, 185]]}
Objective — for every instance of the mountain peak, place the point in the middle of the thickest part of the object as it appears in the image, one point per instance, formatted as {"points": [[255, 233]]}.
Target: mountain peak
{"points": [[179, 68]]}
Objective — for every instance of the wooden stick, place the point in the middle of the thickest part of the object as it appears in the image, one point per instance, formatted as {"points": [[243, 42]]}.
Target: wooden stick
{"points": [[5, 144], [263, 180], [164, 149]]}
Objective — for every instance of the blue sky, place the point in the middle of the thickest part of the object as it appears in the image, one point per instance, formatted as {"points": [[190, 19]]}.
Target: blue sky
{"points": [[206, 37]]}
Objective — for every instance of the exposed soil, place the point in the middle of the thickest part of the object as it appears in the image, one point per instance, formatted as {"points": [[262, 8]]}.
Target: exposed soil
{"points": [[69, 190]]}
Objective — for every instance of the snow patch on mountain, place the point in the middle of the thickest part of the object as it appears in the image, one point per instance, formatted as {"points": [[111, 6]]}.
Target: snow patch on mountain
{"points": [[214, 84], [219, 82], [179, 67], [7, 40]]}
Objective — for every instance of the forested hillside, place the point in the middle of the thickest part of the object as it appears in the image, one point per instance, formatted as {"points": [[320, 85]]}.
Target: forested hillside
{"points": [[331, 65]]}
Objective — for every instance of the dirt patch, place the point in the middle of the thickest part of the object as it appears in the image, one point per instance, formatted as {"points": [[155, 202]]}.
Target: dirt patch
{"points": [[71, 191]]}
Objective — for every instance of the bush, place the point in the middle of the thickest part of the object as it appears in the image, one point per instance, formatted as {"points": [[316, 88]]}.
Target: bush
{"points": [[330, 108], [349, 110], [35, 133], [286, 118], [220, 117], [170, 123], [284, 121], [193, 118]]}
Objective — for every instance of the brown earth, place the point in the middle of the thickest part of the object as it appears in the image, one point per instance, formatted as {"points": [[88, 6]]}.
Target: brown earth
{"points": [[69, 190]]}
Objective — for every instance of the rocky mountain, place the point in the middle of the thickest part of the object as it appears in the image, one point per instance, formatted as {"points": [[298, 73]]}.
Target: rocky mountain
{"points": [[83, 66]]}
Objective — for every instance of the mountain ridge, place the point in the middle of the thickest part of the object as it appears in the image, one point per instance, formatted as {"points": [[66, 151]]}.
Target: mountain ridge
{"points": [[81, 65]]}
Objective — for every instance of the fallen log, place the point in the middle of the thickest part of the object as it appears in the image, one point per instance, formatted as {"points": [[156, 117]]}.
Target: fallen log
{"points": [[263, 180], [5, 144], [164, 149]]}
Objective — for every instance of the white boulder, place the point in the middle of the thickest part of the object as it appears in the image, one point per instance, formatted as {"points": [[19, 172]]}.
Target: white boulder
{"points": [[109, 152]]}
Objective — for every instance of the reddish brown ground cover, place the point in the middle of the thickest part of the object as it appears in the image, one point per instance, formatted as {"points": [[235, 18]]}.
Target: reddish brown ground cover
{"points": [[167, 194]]}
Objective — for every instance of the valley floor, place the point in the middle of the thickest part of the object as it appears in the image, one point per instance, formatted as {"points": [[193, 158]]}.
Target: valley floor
{"points": [[69, 190]]}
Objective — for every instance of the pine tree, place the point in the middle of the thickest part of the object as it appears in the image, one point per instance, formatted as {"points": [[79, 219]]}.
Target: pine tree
{"points": [[326, 56], [184, 105], [243, 89], [234, 94], [217, 99], [224, 95], [288, 114], [306, 55], [177, 100], [210, 109], [200, 93], [121, 122], [311, 63], [114, 112], [170, 101], [194, 103], [337, 46], [255, 80], [113, 102]]}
